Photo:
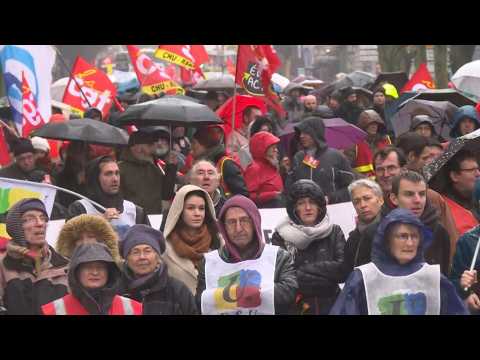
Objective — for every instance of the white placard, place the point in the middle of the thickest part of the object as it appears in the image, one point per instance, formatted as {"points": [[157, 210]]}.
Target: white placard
{"points": [[53, 230]]}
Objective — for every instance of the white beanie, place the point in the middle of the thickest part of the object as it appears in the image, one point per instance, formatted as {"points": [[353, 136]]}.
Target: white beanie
{"points": [[40, 144]]}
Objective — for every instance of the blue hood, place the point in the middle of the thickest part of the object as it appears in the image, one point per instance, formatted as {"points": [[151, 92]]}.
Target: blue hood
{"points": [[464, 111], [381, 256]]}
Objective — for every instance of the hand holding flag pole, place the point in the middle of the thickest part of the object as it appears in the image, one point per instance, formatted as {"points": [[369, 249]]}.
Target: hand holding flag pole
{"points": [[474, 260]]}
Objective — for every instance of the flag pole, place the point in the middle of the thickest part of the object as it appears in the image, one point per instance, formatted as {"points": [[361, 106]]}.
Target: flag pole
{"points": [[54, 187], [71, 75], [235, 90]]}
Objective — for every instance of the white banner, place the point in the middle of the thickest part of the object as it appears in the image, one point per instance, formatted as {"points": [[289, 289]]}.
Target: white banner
{"points": [[342, 214]]}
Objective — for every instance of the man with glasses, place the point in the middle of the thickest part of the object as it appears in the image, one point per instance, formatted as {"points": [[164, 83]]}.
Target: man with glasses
{"points": [[462, 173], [387, 163], [32, 273], [245, 276]]}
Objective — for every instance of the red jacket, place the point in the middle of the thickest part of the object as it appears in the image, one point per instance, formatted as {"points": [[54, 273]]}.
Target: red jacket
{"points": [[263, 180], [69, 305]]}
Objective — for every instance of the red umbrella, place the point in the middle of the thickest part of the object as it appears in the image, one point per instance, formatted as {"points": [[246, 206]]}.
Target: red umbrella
{"points": [[242, 102]]}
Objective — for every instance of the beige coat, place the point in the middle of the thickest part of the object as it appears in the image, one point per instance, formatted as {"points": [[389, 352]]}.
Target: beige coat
{"points": [[181, 268]]}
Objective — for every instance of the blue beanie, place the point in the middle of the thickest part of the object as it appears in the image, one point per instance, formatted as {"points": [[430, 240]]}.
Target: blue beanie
{"points": [[142, 235]]}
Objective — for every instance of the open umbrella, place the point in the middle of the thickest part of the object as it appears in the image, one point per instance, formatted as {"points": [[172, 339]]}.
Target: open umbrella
{"points": [[57, 89], [467, 78], [88, 130], [222, 82], [339, 134], [452, 95], [168, 111], [361, 79], [440, 111], [435, 172], [397, 79]]}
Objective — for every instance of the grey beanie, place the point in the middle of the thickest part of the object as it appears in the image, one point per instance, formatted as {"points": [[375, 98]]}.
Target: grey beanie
{"points": [[142, 235], [14, 218]]}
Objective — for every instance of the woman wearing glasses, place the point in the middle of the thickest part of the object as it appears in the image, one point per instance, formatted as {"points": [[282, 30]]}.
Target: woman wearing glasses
{"points": [[190, 231]]}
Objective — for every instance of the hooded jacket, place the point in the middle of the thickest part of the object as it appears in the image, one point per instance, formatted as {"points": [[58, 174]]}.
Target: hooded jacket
{"points": [[333, 172], [317, 250], [352, 300], [285, 279], [467, 111], [25, 287], [96, 225], [98, 301], [144, 183], [262, 178], [178, 267], [95, 193]]}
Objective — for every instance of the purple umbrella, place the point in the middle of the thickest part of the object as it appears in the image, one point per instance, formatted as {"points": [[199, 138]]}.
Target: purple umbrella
{"points": [[339, 134]]}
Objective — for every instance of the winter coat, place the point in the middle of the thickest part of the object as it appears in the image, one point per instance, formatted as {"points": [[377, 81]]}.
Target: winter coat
{"points": [[465, 212], [349, 112], [263, 179], [181, 268], [462, 260], [145, 184], [23, 291], [467, 111], [13, 171], [159, 293], [100, 301], [285, 279], [333, 173], [352, 300], [230, 171], [93, 224]]}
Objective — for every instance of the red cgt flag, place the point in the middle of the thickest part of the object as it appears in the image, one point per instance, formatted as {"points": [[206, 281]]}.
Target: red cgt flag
{"points": [[4, 153], [255, 67], [32, 119], [152, 77], [189, 57], [96, 86], [420, 80]]}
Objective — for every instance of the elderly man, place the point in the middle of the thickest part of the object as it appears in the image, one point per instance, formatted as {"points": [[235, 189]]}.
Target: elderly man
{"points": [[31, 273], [310, 103], [144, 182], [246, 276], [103, 186], [24, 164]]}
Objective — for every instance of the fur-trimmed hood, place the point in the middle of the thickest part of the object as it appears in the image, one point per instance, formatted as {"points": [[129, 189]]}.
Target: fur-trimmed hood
{"points": [[71, 231]]}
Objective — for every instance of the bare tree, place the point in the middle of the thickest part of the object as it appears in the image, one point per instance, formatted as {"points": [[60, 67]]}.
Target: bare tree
{"points": [[394, 58], [441, 66], [460, 55]]}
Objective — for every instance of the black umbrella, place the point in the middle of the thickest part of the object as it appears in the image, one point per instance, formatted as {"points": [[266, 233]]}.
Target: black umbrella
{"points": [[168, 111], [361, 79], [451, 95], [223, 82], [397, 79], [435, 173], [88, 130]]}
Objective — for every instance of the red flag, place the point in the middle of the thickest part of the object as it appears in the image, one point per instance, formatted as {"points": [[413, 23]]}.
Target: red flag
{"points": [[420, 80], [230, 66], [190, 77], [32, 119], [255, 67], [188, 56], [96, 86], [4, 154], [152, 77]]}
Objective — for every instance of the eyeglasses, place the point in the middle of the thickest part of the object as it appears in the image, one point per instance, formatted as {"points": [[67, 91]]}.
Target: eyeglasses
{"points": [[471, 170], [390, 169], [405, 237], [138, 253], [244, 222], [31, 219]]}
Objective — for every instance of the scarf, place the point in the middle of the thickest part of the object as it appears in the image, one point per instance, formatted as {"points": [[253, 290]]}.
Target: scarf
{"points": [[361, 226], [40, 260], [188, 246], [300, 236]]}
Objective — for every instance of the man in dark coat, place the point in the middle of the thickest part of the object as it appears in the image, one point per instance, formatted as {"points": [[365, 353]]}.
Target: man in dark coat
{"points": [[240, 226], [326, 166], [24, 164], [145, 276]]}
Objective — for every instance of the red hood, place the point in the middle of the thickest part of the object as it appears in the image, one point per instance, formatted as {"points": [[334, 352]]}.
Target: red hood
{"points": [[259, 144]]}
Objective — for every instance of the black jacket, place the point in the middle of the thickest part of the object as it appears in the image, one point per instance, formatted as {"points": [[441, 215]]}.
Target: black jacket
{"points": [[285, 280], [318, 268], [159, 293], [333, 173]]}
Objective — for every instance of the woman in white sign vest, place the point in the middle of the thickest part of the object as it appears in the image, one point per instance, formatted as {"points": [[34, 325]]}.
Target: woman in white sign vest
{"points": [[398, 281], [190, 231], [316, 245], [246, 276], [103, 186]]}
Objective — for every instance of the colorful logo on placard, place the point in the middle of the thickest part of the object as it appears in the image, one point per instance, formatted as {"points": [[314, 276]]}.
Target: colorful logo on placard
{"points": [[403, 304], [240, 289]]}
